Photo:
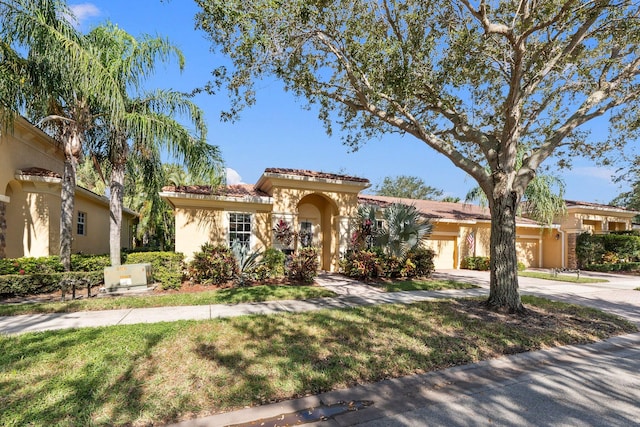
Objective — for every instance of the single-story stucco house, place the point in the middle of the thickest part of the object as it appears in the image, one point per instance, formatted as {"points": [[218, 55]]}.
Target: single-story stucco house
{"points": [[31, 168], [324, 204]]}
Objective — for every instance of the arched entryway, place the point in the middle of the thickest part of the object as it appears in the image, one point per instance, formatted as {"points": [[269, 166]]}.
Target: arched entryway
{"points": [[316, 218]]}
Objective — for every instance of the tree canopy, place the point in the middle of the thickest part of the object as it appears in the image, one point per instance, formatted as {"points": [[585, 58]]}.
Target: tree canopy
{"points": [[474, 80], [408, 187], [630, 199]]}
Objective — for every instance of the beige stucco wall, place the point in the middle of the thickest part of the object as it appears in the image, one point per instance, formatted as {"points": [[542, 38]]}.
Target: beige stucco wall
{"points": [[595, 221], [535, 247], [24, 147], [552, 246], [328, 206], [196, 225], [32, 203], [33, 222]]}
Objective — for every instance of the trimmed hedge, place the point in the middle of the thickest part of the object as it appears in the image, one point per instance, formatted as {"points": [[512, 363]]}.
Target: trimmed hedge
{"points": [[32, 276], [604, 268], [481, 263], [31, 265], [166, 267], [82, 262], [12, 285], [593, 249]]}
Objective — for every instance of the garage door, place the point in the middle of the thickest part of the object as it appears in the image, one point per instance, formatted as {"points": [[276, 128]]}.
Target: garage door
{"points": [[445, 250], [528, 252]]}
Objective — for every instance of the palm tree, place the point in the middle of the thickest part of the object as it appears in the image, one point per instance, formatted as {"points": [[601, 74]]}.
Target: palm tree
{"points": [[403, 229], [543, 199], [61, 86], [149, 120]]}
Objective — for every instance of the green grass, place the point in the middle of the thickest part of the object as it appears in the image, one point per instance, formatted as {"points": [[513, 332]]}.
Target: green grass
{"points": [[424, 285], [165, 372], [224, 296], [560, 277]]}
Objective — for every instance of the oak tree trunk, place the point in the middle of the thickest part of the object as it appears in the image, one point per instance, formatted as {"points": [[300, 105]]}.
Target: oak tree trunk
{"points": [[504, 294]]}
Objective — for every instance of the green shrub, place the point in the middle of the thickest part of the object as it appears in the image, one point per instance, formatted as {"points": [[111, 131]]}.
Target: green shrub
{"points": [[391, 265], [521, 266], [361, 265], [213, 264], [607, 248], [481, 263], [304, 265], [422, 259], [19, 285], [166, 267], [29, 265], [622, 266], [82, 262], [272, 264]]}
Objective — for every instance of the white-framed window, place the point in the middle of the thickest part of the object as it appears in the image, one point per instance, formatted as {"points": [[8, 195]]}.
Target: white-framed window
{"points": [[379, 224], [306, 234], [240, 229], [81, 224]]}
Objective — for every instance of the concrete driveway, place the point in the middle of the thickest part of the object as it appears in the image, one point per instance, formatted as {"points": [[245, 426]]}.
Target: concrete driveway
{"points": [[616, 296]]}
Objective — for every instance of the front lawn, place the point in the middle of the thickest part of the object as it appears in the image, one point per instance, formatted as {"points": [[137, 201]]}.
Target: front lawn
{"points": [[221, 296], [560, 277], [151, 374]]}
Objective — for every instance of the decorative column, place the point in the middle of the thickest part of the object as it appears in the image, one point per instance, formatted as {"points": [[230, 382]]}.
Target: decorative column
{"points": [[572, 260], [344, 234]]}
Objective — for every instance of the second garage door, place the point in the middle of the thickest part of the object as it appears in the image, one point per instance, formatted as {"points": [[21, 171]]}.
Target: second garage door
{"points": [[445, 249]]}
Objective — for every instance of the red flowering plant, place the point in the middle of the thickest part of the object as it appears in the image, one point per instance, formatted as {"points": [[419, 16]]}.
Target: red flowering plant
{"points": [[283, 233]]}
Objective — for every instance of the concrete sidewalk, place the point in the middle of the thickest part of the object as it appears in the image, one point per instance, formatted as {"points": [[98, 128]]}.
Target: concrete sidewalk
{"points": [[350, 294], [616, 296]]}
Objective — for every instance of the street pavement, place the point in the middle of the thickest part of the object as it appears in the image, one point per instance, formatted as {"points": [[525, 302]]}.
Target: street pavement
{"points": [[587, 385]]}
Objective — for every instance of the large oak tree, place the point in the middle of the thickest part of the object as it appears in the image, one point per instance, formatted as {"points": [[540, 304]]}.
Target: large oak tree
{"points": [[474, 81]]}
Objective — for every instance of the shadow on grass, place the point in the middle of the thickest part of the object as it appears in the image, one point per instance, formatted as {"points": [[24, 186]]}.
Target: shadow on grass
{"points": [[81, 386], [159, 373]]}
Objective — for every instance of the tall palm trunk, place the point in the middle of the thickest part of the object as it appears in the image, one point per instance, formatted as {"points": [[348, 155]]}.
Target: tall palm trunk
{"points": [[116, 197], [72, 145]]}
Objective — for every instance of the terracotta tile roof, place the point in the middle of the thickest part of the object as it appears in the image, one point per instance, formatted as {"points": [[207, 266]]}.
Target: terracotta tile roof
{"points": [[238, 190], [575, 203], [34, 171], [314, 174], [440, 210]]}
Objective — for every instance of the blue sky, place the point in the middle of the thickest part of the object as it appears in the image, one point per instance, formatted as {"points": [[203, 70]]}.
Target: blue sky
{"points": [[278, 132]]}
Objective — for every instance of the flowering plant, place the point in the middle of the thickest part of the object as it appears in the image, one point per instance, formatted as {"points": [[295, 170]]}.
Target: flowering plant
{"points": [[283, 233]]}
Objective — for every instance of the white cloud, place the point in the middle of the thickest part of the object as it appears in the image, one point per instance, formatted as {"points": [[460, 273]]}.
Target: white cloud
{"points": [[595, 172], [84, 11], [233, 177]]}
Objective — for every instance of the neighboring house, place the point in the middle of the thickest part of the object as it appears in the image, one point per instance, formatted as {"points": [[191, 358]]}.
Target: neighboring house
{"points": [[324, 204], [585, 217], [31, 166], [461, 230]]}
